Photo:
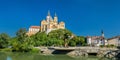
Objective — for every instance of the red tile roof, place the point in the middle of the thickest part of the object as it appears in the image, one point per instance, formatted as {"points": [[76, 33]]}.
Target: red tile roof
{"points": [[95, 37], [36, 27]]}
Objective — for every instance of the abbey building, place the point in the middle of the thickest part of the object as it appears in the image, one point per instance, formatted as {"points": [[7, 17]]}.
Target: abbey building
{"points": [[51, 23], [47, 25]]}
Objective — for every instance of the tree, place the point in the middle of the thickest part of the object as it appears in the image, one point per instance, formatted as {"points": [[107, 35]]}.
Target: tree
{"points": [[78, 40], [72, 43], [4, 39], [21, 34], [40, 39], [21, 42], [82, 40], [61, 34]]}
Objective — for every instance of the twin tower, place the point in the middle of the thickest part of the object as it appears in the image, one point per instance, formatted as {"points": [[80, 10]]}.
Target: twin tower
{"points": [[47, 25], [51, 23]]}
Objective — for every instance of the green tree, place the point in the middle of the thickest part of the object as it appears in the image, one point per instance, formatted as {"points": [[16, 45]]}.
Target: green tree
{"points": [[40, 39], [4, 39], [21, 42], [54, 42], [61, 34], [21, 35], [72, 43], [77, 40]]}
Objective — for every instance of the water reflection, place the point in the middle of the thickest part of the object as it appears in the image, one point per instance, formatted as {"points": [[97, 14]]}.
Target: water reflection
{"points": [[29, 56], [3, 56], [9, 58]]}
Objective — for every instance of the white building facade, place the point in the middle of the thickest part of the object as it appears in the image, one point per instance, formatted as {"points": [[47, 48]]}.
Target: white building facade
{"points": [[96, 40]]}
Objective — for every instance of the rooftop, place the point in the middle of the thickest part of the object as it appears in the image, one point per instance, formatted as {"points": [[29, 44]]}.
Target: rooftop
{"points": [[114, 37], [36, 27]]}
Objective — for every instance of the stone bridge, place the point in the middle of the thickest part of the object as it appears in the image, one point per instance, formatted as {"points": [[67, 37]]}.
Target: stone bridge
{"points": [[83, 51], [78, 51]]}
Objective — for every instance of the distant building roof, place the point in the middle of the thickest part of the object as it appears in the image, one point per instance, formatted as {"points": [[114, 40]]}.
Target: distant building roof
{"points": [[114, 37], [95, 37], [36, 27]]}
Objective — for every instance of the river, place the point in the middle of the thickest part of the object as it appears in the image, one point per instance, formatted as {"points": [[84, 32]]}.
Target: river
{"points": [[30, 56]]}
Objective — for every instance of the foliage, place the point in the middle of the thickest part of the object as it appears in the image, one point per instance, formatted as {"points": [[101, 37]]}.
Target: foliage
{"points": [[72, 43], [77, 40], [60, 34], [35, 50], [6, 50], [4, 39], [54, 42], [110, 46], [60, 37], [40, 39], [21, 42], [101, 46], [84, 44]]}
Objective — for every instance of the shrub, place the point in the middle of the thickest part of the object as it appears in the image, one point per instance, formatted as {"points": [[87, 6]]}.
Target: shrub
{"points": [[35, 50], [6, 49], [101, 46], [108, 46], [84, 44], [112, 45]]}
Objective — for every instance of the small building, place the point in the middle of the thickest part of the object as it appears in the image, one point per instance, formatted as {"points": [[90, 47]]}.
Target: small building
{"points": [[33, 30], [114, 41], [96, 40]]}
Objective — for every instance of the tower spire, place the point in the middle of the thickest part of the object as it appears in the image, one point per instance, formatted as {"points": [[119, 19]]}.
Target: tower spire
{"points": [[55, 14], [48, 12], [102, 33]]}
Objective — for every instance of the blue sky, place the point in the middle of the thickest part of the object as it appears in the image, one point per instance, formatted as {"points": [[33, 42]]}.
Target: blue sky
{"points": [[82, 17]]}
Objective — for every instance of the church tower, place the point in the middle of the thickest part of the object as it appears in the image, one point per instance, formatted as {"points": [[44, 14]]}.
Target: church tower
{"points": [[48, 16], [102, 33], [55, 18]]}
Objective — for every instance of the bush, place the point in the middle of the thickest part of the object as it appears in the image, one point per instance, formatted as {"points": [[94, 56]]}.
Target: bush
{"points": [[112, 45], [6, 49], [35, 50], [72, 43], [101, 46], [108, 46], [84, 44]]}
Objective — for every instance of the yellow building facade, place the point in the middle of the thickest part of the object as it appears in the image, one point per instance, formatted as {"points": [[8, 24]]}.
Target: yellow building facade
{"points": [[51, 23]]}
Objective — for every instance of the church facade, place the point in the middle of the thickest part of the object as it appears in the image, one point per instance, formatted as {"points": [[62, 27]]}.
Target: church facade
{"points": [[47, 25], [51, 23]]}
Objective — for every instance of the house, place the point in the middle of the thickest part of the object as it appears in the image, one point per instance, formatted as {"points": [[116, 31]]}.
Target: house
{"points": [[114, 41], [96, 40], [33, 30]]}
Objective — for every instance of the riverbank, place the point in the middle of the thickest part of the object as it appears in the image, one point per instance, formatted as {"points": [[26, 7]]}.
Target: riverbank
{"points": [[29, 56], [48, 52], [33, 50], [70, 51], [77, 51]]}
